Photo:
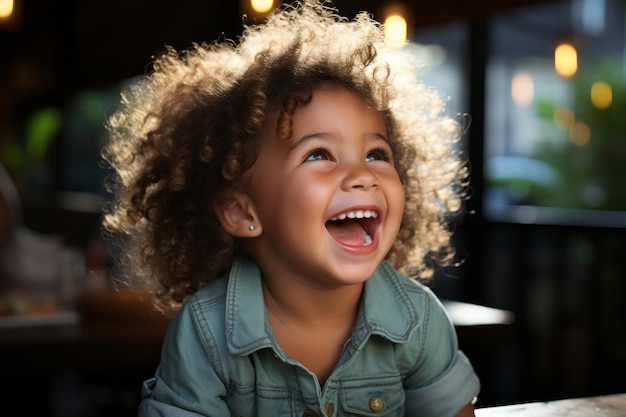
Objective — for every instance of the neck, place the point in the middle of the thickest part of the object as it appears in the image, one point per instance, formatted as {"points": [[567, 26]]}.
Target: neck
{"points": [[305, 305]]}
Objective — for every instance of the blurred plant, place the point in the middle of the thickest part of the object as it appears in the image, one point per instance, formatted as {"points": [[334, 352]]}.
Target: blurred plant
{"points": [[588, 148], [42, 127]]}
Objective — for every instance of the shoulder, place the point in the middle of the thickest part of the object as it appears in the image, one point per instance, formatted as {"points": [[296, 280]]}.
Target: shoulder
{"points": [[210, 297], [200, 320], [203, 308], [194, 370], [197, 330]]}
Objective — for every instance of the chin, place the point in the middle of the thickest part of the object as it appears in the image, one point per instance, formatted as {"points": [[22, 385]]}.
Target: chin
{"points": [[355, 273]]}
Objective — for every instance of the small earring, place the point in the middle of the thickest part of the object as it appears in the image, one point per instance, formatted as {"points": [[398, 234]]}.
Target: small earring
{"points": [[251, 228]]}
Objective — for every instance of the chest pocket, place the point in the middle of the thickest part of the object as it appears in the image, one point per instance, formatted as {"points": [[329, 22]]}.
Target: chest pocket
{"points": [[375, 396]]}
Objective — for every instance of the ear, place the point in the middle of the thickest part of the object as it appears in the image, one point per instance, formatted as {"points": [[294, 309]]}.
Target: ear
{"points": [[237, 215]]}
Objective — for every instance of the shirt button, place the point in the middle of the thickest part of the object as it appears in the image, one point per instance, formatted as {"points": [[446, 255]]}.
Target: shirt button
{"points": [[330, 407], [376, 404], [309, 413]]}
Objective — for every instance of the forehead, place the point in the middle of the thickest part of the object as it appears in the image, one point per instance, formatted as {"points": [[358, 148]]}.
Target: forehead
{"points": [[326, 103]]}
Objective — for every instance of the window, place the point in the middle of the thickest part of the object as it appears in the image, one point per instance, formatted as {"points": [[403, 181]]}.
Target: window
{"points": [[555, 145]]}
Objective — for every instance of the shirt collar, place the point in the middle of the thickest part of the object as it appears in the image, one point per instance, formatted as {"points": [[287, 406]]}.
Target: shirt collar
{"points": [[386, 309]]}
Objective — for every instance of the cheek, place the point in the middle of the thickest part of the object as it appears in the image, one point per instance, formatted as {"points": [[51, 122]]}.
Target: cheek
{"points": [[287, 199], [312, 184], [306, 193]]}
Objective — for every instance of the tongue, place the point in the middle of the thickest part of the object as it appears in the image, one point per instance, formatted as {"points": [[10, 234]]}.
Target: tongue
{"points": [[349, 232]]}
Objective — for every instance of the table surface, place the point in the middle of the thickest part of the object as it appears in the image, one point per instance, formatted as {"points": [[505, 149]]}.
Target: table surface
{"points": [[601, 406]]}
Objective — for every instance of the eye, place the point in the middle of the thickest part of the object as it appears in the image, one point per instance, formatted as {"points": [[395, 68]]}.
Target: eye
{"points": [[319, 154], [378, 154]]}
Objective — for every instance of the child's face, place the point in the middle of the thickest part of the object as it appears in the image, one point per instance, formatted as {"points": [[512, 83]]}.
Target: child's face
{"points": [[337, 164]]}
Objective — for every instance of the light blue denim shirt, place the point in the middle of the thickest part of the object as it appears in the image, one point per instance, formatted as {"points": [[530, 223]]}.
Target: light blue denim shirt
{"points": [[220, 357]]}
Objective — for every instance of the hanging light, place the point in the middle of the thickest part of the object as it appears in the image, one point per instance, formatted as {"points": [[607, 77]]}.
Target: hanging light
{"points": [[395, 29], [565, 60], [522, 88], [262, 6], [396, 18], [601, 95], [255, 11], [7, 8], [10, 15], [579, 133], [564, 118]]}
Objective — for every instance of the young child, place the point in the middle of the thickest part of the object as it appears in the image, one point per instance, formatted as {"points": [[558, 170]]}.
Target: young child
{"points": [[266, 191]]}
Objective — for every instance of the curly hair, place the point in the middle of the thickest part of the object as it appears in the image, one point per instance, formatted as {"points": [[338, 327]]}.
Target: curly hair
{"points": [[188, 132]]}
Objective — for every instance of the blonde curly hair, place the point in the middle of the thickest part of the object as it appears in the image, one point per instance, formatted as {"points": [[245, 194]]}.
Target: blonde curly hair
{"points": [[188, 131]]}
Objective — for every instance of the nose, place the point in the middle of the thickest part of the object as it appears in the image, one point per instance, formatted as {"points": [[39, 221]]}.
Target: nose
{"points": [[359, 176]]}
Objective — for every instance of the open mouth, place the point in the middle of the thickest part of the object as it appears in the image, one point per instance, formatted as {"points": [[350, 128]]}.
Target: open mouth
{"points": [[354, 228]]}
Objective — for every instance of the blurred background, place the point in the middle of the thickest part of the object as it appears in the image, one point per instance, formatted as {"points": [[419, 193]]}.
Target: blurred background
{"points": [[540, 84]]}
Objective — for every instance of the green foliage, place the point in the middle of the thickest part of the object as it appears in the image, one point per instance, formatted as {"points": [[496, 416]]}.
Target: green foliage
{"points": [[593, 172]]}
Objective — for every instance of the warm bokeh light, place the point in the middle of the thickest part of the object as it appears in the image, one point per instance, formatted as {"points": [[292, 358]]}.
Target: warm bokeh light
{"points": [[7, 7], [262, 6], [565, 60], [563, 118], [579, 133], [395, 28], [522, 88], [601, 95]]}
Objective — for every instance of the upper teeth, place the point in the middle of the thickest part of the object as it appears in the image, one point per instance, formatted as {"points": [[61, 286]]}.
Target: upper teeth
{"points": [[358, 214]]}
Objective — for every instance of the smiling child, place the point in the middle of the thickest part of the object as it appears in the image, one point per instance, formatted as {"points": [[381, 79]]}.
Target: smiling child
{"points": [[278, 195]]}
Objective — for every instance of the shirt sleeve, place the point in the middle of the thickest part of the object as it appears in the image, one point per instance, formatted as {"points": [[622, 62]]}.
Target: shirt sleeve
{"points": [[443, 381], [187, 382]]}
